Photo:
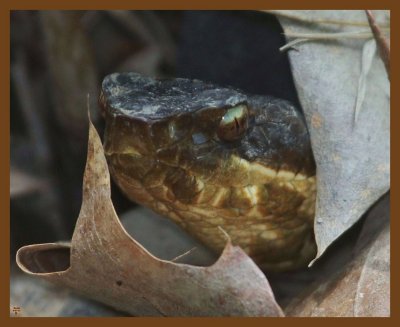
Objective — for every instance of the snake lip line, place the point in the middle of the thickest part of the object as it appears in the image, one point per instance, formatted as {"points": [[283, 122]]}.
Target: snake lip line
{"points": [[207, 156]]}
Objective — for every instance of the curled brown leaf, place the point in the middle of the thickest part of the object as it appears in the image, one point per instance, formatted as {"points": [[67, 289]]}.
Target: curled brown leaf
{"points": [[104, 263]]}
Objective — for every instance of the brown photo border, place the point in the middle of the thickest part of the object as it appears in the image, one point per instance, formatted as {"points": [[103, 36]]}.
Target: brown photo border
{"points": [[7, 6]]}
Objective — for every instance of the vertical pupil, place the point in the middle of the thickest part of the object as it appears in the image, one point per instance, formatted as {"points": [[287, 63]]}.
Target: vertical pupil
{"points": [[237, 125], [233, 124]]}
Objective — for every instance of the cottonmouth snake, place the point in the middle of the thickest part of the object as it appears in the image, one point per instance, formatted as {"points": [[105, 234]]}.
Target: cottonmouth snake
{"points": [[208, 156]]}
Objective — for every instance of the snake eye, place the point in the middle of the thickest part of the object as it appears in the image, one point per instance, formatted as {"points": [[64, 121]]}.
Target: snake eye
{"points": [[233, 124]]}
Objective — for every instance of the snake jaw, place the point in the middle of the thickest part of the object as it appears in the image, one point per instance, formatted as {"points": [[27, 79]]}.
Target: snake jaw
{"points": [[166, 151]]}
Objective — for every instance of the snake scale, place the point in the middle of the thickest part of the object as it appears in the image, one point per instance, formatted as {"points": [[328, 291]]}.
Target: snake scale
{"points": [[211, 157]]}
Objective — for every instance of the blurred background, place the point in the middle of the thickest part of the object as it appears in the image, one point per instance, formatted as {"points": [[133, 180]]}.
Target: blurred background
{"points": [[59, 57]]}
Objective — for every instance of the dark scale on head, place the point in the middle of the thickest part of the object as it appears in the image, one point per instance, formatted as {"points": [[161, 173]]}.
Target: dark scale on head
{"points": [[261, 128]]}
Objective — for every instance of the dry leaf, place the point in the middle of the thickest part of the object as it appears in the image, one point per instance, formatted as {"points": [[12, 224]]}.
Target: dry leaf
{"points": [[362, 287], [353, 158], [106, 264]]}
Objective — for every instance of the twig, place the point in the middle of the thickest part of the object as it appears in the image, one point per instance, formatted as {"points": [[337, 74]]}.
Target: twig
{"points": [[383, 45], [306, 19], [363, 34], [183, 254], [291, 44], [305, 37]]}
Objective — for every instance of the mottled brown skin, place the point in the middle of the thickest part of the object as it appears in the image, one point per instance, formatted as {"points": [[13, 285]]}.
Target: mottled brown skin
{"points": [[168, 150]]}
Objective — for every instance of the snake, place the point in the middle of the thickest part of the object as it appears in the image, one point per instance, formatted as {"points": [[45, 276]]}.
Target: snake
{"points": [[217, 161]]}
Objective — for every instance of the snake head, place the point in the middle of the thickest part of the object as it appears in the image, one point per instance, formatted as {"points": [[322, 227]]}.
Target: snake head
{"points": [[209, 156], [212, 131]]}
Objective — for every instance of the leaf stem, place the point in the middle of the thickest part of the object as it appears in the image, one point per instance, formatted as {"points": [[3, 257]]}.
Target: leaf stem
{"points": [[383, 45]]}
